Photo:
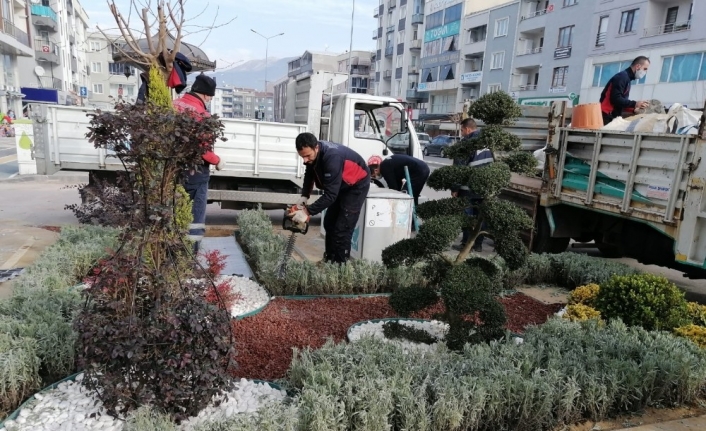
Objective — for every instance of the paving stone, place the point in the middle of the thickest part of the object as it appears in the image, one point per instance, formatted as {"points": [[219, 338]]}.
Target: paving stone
{"points": [[235, 263]]}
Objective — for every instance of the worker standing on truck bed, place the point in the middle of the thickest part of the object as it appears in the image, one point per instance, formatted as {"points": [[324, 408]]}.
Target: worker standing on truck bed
{"points": [[196, 184], [614, 97], [392, 171], [345, 179]]}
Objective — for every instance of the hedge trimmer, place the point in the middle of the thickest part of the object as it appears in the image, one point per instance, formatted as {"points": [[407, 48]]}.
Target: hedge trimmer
{"points": [[295, 228]]}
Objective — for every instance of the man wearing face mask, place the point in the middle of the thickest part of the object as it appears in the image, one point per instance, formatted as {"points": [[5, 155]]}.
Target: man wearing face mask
{"points": [[614, 98], [202, 91], [344, 177]]}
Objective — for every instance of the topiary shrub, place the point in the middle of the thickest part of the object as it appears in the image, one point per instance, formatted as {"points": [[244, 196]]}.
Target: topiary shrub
{"points": [[585, 295], [578, 312], [645, 300], [695, 333], [407, 300], [397, 330], [469, 287]]}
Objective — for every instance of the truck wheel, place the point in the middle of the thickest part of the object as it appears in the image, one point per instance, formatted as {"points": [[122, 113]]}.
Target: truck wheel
{"points": [[543, 242]]}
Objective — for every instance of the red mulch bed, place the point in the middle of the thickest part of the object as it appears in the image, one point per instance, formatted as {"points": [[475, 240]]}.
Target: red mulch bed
{"points": [[265, 341]]}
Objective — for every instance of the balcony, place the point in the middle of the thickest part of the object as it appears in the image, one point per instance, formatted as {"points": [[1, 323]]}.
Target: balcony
{"points": [[44, 17], [415, 45], [418, 96], [533, 21], [675, 27], [74, 64], [389, 51], [14, 40], [529, 51], [45, 50], [375, 34], [534, 14], [526, 87], [417, 18], [387, 74], [376, 12], [391, 4], [413, 70], [390, 29]]}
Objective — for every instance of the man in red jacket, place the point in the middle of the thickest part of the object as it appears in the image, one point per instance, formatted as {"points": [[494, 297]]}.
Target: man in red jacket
{"points": [[344, 177], [615, 96], [202, 91]]}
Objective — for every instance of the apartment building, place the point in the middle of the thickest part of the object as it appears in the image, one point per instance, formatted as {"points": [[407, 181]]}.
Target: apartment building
{"points": [[111, 82], [662, 30], [58, 34], [243, 103], [360, 71], [15, 44], [399, 49]]}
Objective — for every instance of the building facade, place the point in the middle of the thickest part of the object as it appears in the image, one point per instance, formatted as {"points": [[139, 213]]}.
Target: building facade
{"points": [[59, 37], [111, 82], [15, 44], [665, 32], [399, 49], [243, 103]]}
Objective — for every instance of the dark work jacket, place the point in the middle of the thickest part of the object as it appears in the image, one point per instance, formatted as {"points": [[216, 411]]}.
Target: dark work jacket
{"points": [[392, 170], [614, 97], [191, 103], [337, 169]]}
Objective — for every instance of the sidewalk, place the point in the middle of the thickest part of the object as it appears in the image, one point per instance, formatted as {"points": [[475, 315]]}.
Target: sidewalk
{"points": [[690, 424]]}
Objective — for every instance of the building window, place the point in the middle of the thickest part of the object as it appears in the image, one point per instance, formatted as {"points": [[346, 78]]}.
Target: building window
{"points": [[565, 36], [434, 20], [453, 13], [400, 60], [432, 48], [603, 72], [96, 67], [447, 72], [498, 60], [628, 21], [559, 76], [602, 31], [95, 46], [477, 34], [400, 36], [450, 43], [443, 103], [493, 88], [684, 68], [570, 2], [501, 26], [98, 88]]}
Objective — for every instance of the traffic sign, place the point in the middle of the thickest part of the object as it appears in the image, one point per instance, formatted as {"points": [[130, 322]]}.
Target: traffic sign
{"points": [[84, 92], [45, 48]]}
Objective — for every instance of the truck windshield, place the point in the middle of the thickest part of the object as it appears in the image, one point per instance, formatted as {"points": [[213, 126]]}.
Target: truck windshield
{"points": [[377, 122]]}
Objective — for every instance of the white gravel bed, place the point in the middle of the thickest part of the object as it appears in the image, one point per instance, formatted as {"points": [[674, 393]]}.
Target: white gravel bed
{"points": [[435, 328], [71, 407], [252, 295]]}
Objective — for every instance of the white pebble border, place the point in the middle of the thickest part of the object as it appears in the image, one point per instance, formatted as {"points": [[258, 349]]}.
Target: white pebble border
{"points": [[252, 295], [435, 328], [69, 407], [561, 312]]}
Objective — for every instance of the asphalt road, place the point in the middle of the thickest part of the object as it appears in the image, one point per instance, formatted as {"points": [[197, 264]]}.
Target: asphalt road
{"points": [[8, 158]]}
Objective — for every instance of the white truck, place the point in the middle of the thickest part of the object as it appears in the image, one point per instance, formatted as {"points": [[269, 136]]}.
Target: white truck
{"points": [[639, 195], [262, 164]]}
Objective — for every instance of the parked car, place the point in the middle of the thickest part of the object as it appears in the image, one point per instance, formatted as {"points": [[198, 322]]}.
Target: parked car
{"points": [[438, 144], [424, 139]]}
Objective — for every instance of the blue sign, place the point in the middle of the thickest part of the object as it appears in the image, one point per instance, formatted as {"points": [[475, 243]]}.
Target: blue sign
{"points": [[84, 92], [450, 29]]}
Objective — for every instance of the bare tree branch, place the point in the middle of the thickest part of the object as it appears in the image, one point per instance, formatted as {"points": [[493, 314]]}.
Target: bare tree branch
{"points": [[148, 34]]}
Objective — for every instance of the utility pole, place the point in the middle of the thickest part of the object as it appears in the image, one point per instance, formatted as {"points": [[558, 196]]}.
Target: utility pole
{"points": [[350, 53]]}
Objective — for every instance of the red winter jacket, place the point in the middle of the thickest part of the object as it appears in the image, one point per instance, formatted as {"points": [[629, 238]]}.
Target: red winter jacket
{"points": [[191, 102]]}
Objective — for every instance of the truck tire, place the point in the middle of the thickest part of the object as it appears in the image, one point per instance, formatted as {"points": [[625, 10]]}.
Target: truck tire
{"points": [[543, 242]]}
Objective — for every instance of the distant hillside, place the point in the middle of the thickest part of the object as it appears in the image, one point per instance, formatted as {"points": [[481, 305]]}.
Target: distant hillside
{"points": [[251, 74]]}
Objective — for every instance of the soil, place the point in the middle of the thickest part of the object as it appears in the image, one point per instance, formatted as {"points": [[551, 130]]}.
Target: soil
{"points": [[648, 417], [266, 339]]}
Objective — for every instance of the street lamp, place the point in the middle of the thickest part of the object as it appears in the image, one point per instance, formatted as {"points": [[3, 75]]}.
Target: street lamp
{"points": [[350, 53], [267, 46]]}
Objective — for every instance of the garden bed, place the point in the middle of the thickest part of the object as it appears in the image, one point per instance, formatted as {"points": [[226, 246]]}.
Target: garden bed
{"points": [[265, 341]]}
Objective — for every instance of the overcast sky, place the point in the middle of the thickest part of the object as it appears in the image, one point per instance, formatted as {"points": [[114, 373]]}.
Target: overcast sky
{"points": [[307, 25]]}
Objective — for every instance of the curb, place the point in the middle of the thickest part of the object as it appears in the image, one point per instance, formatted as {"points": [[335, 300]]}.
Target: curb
{"points": [[334, 296], [387, 319], [63, 179]]}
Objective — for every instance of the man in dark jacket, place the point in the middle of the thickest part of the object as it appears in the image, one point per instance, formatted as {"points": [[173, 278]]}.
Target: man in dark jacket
{"points": [[345, 179], [195, 101], [392, 171], [615, 96]]}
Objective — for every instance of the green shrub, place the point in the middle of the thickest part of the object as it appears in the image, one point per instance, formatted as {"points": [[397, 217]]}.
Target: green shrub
{"points": [[578, 312], [19, 371], [562, 373], [495, 108], [697, 313], [265, 249], [645, 300], [407, 300], [573, 269]]}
